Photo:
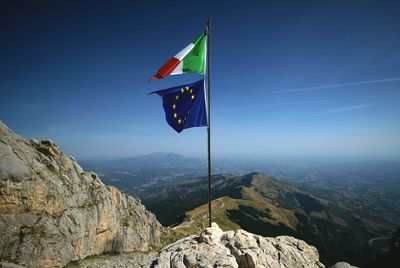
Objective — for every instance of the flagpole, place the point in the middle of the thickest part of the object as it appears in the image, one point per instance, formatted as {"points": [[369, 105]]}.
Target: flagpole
{"points": [[208, 29]]}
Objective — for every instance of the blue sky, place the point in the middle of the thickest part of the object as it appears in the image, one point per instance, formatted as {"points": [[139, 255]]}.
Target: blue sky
{"points": [[288, 78]]}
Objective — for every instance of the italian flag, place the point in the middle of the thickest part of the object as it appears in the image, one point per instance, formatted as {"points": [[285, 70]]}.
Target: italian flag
{"points": [[190, 59]]}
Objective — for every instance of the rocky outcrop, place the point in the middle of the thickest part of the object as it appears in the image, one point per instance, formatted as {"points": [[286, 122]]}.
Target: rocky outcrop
{"points": [[215, 248], [53, 212]]}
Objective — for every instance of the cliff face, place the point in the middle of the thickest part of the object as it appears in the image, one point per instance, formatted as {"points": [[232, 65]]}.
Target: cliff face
{"points": [[52, 212]]}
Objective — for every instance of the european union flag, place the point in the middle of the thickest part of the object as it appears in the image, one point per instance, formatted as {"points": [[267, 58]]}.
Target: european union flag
{"points": [[184, 106]]}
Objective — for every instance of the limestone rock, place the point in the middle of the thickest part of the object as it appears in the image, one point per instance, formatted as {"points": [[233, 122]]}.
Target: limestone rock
{"points": [[52, 212], [215, 248], [124, 260]]}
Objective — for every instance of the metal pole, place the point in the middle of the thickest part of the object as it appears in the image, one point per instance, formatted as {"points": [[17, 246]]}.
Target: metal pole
{"points": [[209, 118]]}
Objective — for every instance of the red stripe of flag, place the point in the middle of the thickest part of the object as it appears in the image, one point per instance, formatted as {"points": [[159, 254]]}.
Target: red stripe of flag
{"points": [[166, 69]]}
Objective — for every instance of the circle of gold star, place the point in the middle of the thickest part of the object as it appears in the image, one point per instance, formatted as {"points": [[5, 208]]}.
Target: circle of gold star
{"points": [[174, 106]]}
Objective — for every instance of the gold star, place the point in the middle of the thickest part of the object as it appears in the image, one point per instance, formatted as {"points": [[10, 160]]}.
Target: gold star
{"points": [[177, 97], [188, 111], [175, 115], [191, 91], [182, 90], [179, 121], [192, 97], [173, 106], [187, 88]]}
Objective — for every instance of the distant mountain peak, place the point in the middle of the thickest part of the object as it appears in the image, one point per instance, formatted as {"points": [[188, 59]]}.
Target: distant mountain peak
{"points": [[162, 154]]}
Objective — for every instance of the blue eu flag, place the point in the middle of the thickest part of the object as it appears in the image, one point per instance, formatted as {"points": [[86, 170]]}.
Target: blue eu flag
{"points": [[184, 106]]}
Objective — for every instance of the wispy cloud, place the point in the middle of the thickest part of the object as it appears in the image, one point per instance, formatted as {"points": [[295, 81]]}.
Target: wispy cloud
{"points": [[277, 104], [385, 80], [345, 109]]}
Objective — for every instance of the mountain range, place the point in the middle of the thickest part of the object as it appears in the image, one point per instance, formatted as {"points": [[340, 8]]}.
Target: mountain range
{"points": [[368, 187], [171, 186]]}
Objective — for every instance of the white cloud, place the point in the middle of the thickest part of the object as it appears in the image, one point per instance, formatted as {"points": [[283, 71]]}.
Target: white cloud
{"points": [[346, 109], [394, 79]]}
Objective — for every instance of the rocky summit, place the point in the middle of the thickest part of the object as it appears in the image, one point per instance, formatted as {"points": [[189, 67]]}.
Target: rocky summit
{"points": [[215, 248], [52, 212]]}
